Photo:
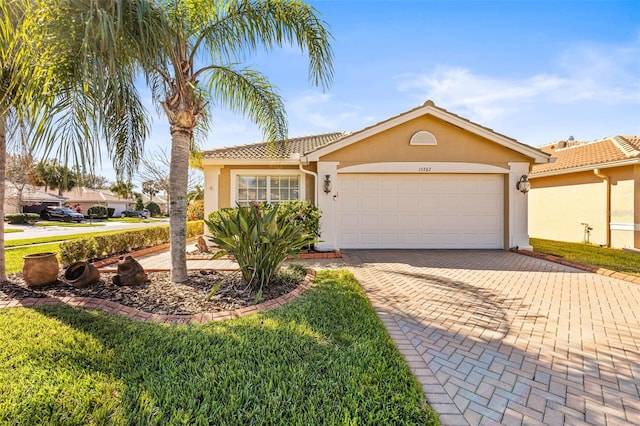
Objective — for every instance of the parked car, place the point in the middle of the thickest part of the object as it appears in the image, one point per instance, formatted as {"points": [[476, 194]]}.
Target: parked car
{"points": [[61, 213], [144, 213]]}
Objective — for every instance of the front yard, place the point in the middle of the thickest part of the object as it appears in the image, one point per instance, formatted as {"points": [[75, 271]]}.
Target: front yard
{"points": [[323, 359]]}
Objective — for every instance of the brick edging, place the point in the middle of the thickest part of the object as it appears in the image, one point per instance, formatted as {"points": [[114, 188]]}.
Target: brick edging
{"points": [[578, 265], [118, 309]]}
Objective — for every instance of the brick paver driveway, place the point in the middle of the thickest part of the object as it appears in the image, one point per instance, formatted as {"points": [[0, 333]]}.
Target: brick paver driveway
{"points": [[501, 338]]}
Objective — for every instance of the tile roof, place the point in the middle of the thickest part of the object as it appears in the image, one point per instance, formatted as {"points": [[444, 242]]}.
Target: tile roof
{"points": [[278, 149], [573, 154]]}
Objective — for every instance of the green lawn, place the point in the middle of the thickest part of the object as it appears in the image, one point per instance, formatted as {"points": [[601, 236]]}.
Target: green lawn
{"points": [[589, 254], [10, 230], [67, 224], [324, 359]]}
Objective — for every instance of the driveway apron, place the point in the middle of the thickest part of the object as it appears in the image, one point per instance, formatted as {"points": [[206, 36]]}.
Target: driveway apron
{"points": [[500, 338]]}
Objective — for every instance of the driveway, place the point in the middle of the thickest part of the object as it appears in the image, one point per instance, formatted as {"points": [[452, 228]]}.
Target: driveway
{"points": [[501, 338]]}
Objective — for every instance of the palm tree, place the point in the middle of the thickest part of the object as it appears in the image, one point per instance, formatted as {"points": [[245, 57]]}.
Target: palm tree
{"points": [[208, 39], [75, 80]]}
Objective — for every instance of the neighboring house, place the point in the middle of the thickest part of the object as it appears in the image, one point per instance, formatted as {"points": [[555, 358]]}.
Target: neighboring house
{"points": [[160, 200], [88, 197], [34, 200], [590, 193], [426, 178]]}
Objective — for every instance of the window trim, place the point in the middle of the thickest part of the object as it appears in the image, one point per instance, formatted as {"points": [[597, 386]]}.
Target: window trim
{"points": [[267, 173]]}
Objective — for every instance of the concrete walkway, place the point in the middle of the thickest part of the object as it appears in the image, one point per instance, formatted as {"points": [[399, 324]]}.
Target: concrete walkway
{"points": [[501, 338]]}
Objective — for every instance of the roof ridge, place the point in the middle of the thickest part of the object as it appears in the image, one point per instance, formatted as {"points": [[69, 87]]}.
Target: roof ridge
{"points": [[624, 146]]}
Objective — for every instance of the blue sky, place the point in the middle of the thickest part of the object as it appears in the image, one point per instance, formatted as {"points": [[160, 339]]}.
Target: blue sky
{"points": [[537, 71]]}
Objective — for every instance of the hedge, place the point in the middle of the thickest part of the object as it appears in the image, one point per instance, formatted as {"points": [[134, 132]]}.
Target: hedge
{"points": [[22, 218], [101, 246]]}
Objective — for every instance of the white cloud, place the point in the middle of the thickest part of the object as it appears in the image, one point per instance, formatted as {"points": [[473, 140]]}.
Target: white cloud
{"points": [[586, 73], [320, 112]]}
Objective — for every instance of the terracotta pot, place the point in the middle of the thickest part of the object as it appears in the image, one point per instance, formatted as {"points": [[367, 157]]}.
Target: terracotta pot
{"points": [[40, 269], [82, 274]]}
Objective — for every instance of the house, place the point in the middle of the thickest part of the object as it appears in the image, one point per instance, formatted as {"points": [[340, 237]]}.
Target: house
{"points": [[34, 199], [87, 197], [160, 200], [590, 193], [426, 178]]}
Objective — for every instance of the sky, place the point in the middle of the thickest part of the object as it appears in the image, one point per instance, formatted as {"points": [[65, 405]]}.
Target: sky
{"points": [[536, 71]]}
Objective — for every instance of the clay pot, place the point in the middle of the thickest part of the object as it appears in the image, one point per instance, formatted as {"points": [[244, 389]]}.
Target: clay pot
{"points": [[82, 274], [40, 269]]}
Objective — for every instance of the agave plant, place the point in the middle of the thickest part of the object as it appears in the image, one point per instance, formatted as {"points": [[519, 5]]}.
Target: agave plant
{"points": [[259, 240]]}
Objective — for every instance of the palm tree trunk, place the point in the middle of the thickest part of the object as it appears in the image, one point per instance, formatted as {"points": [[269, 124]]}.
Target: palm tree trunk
{"points": [[3, 164], [178, 175]]}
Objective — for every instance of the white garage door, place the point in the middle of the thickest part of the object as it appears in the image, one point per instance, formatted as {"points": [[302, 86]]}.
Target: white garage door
{"points": [[420, 211]]}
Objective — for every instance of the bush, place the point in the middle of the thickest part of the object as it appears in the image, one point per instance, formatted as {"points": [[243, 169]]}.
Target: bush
{"points": [[110, 211], [22, 218], [303, 212], [98, 212], [154, 209], [195, 210], [259, 240], [100, 246]]}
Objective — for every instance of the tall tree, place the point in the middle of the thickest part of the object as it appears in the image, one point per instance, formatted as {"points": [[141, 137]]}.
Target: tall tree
{"points": [[208, 40], [71, 66], [122, 189]]}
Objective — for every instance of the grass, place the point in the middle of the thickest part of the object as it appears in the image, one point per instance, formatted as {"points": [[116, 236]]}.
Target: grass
{"points": [[589, 254], [324, 359], [10, 230], [67, 224]]}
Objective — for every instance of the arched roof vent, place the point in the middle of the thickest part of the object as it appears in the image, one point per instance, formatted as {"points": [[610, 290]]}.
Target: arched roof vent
{"points": [[423, 138]]}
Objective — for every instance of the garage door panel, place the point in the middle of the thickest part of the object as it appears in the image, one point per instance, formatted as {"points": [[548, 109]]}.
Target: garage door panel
{"points": [[420, 211]]}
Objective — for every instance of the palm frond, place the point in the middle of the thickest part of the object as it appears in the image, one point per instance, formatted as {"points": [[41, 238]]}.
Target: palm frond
{"points": [[248, 92]]}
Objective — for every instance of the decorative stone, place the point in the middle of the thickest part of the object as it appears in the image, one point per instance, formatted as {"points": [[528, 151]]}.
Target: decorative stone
{"points": [[130, 273], [40, 269]]}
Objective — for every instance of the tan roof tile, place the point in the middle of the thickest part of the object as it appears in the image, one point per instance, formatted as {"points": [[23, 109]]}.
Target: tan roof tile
{"points": [[572, 154], [279, 149]]}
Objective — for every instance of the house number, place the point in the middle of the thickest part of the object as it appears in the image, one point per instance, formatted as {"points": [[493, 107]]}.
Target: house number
{"points": [[424, 169]]}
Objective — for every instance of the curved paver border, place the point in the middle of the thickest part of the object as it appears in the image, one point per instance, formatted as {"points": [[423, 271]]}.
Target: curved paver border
{"points": [[118, 309]]}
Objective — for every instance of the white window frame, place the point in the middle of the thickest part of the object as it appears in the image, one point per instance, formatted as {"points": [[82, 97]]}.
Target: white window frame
{"points": [[266, 173]]}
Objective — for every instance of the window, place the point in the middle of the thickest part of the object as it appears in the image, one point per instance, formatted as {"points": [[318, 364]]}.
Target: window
{"points": [[271, 189]]}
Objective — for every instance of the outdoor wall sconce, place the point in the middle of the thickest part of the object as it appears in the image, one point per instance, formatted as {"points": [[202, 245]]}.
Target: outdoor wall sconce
{"points": [[523, 185], [327, 184]]}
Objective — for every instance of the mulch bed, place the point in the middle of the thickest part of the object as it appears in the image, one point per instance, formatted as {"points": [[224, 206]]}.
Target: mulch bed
{"points": [[159, 295]]}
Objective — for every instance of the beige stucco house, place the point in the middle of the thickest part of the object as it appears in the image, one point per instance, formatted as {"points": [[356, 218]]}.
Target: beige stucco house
{"points": [[426, 178], [87, 198], [592, 185]]}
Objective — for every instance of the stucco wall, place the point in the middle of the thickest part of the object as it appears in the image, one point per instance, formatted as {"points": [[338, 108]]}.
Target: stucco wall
{"points": [[225, 198], [454, 145], [558, 205]]}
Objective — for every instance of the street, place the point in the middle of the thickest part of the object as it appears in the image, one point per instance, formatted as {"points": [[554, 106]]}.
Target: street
{"points": [[57, 230]]}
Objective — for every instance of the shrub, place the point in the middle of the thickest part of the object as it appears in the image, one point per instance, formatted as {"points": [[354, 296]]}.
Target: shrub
{"points": [[195, 210], [22, 218], [303, 212], [154, 209], [100, 246], [110, 211], [98, 211], [259, 240], [139, 204]]}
